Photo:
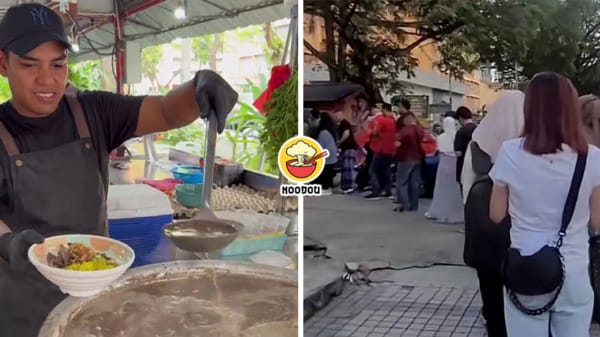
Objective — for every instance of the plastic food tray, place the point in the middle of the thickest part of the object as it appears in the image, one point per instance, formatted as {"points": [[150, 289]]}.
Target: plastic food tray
{"points": [[254, 244]]}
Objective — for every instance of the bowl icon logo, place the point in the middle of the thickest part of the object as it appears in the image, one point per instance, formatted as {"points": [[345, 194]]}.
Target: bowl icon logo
{"points": [[301, 159]]}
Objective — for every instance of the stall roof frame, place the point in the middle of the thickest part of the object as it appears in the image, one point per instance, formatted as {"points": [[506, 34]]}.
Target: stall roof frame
{"points": [[152, 22]]}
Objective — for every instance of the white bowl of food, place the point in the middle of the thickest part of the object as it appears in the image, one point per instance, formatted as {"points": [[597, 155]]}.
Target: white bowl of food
{"points": [[81, 265]]}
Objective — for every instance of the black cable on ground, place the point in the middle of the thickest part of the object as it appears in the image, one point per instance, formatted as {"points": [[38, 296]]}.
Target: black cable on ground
{"points": [[434, 264]]}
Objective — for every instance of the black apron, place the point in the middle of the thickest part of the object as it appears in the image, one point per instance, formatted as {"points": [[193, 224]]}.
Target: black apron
{"points": [[56, 191]]}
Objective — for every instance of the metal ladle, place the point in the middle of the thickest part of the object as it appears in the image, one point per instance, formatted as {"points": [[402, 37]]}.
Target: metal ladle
{"points": [[204, 233]]}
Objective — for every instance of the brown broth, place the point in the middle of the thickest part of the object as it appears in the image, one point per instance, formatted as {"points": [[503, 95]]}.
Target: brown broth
{"points": [[240, 306]]}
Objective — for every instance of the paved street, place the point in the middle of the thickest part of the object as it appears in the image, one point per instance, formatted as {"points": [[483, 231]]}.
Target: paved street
{"points": [[429, 302]]}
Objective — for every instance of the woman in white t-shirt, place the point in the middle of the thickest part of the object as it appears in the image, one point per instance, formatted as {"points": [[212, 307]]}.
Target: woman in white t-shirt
{"points": [[532, 176]]}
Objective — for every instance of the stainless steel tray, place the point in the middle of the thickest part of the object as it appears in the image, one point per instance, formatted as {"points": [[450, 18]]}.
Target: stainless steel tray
{"points": [[247, 298]]}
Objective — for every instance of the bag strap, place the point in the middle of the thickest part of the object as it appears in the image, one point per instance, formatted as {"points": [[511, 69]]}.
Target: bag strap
{"points": [[572, 197]]}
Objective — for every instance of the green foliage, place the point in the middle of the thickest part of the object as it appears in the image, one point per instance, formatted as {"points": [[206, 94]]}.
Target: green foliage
{"points": [[151, 58], [187, 133], [204, 47], [5, 94], [87, 75], [563, 36], [282, 118], [255, 90], [273, 47], [244, 129]]}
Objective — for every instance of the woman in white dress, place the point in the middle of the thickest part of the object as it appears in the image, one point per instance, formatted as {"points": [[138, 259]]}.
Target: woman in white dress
{"points": [[446, 206]]}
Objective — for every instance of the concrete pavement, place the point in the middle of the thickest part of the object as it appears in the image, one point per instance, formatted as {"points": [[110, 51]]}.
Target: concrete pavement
{"points": [[421, 300]]}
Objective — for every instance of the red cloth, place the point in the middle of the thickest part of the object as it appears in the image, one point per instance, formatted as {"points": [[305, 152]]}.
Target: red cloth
{"points": [[429, 144], [411, 140], [279, 74], [362, 132], [384, 141]]}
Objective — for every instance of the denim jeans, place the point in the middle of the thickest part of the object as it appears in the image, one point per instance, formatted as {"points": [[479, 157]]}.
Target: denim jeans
{"points": [[408, 184], [570, 316]]}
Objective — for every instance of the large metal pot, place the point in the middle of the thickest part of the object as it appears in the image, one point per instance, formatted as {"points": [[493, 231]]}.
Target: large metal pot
{"points": [[69, 313]]}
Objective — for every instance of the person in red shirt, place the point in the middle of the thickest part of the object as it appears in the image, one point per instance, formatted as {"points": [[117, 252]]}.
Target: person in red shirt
{"points": [[408, 168], [383, 139]]}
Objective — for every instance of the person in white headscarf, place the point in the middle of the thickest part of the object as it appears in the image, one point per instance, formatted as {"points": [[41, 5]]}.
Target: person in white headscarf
{"points": [[504, 121], [446, 206], [485, 242]]}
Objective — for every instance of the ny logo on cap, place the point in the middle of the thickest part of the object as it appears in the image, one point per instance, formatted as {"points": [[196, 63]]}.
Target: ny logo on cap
{"points": [[39, 16]]}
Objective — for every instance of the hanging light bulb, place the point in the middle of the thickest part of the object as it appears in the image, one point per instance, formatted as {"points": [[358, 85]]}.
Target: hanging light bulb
{"points": [[181, 10], [180, 13], [74, 43]]}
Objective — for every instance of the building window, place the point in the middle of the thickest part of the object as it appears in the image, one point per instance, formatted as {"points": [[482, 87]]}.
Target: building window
{"points": [[247, 66]]}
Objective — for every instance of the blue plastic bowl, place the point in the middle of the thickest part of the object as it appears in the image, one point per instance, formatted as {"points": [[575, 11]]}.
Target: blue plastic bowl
{"points": [[189, 195], [189, 174]]}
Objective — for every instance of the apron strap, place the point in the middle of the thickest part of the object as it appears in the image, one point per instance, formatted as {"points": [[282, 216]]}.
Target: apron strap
{"points": [[78, 115], [8, 140]]}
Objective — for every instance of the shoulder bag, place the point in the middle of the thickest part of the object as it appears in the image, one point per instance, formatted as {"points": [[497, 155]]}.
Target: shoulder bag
{"points": [[543, 272]]}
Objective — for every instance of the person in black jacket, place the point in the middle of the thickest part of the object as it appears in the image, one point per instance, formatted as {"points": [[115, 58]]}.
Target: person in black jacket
{"points": [[463, 137], [486, 242]]}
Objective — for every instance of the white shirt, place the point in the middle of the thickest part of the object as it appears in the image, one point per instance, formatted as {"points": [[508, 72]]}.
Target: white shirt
{"points": [[467, 176], [538, 188]]}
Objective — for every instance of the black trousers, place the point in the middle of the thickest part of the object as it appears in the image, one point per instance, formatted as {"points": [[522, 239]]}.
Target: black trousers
{"points": [[492, 296], [381, 174], [325, 179]]}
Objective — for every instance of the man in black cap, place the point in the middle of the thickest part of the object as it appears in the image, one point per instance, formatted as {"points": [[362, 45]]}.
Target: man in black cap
{"points": [[55, 144]]}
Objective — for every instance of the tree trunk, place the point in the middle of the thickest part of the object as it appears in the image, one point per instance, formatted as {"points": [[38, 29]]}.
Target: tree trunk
{"points": [[330, 48], [275, 53], [371, 87], [341, 56], [212, 58]]}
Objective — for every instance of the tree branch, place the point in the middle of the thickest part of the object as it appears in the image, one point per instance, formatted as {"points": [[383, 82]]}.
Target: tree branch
{"points": [[415, 44], [323, 58], [349, 17]]}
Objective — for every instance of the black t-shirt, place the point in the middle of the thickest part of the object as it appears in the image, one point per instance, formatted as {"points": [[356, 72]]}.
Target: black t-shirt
{"points": [[461, 142], [350, 143], [111, 118]]}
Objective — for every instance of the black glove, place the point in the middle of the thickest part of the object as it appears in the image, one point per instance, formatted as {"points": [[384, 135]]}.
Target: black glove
{"points": [[214, 96], [14, 247]]}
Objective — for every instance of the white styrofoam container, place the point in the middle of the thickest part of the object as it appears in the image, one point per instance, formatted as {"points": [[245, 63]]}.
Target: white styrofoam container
{"points": [[136, 201]]}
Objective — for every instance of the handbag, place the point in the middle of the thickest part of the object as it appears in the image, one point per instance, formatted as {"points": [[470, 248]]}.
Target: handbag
{"points": [[542, 272]]}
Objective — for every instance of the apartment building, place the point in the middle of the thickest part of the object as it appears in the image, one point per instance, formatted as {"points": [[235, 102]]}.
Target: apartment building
{"points": [[430, 88]]}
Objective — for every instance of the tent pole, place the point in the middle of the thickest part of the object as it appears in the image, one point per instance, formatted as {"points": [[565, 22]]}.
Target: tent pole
{"points": [[292, 44]]}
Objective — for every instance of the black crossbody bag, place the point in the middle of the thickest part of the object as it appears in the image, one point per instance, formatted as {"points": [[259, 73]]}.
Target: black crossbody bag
{"points": [[542, 272]]}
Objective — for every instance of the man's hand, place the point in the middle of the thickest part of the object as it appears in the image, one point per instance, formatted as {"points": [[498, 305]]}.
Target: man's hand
{"points": [[14, 247], [214, 96]]}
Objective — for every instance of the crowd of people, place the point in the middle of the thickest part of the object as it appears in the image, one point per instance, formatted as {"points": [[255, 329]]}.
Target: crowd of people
{"points": [[384, 155], [524, 181]]}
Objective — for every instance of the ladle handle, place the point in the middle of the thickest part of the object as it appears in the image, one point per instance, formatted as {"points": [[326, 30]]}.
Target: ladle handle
{"points": [[205, 213]]}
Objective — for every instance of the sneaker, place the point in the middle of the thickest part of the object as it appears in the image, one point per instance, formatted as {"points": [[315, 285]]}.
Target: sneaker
{"points": [[348, 191], [326, 192], [372, 197], [387, 195]]}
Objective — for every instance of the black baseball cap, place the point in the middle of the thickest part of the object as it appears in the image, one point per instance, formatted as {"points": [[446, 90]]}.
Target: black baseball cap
{"points": [[26, 26]]}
